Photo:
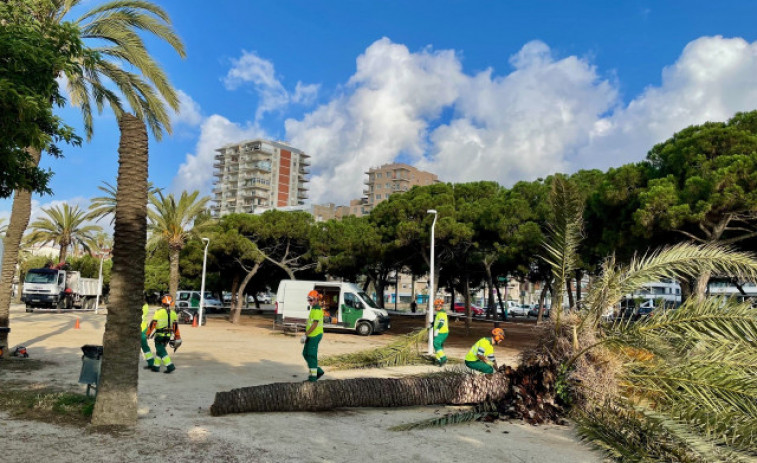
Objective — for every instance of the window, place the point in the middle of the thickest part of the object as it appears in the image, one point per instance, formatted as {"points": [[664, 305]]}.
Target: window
{"points": [[350, 300], [378, 174], [378, 196]]}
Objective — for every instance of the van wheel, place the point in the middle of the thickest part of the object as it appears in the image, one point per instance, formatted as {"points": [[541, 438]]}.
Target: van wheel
{"points": [[364, 329]]}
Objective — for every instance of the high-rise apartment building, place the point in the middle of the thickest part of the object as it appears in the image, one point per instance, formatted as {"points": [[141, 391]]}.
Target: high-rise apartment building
{"points": [[256, 175], [392, 178]]}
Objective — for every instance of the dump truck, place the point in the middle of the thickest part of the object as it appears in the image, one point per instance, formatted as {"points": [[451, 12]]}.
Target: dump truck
{"points": [[59, 289]]}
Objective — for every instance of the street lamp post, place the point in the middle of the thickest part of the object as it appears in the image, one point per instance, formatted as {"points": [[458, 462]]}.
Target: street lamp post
{"points": [[99, 282], [431, 291], [202, 285]]}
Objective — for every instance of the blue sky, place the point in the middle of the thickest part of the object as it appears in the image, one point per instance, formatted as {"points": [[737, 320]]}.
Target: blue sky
{"points": [[471, 90]]}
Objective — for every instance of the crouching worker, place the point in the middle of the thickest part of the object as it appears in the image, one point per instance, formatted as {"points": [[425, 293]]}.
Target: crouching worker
{"points": [[313, 335], [481, 356], [165, 328]]}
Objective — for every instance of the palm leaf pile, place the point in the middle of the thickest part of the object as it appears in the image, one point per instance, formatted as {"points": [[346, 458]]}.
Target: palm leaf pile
{"points": [[403, 351]]}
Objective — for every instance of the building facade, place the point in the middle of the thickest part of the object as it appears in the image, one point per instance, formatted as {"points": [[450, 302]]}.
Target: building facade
{"points": [[257, 175], [388, 179]]}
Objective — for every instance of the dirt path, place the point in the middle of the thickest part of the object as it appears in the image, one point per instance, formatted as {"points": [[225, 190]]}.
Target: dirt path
{"points": [[175, 424]]}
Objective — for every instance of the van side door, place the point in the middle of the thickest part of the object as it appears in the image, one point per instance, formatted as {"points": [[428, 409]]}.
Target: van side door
{"points": [[352, 309]]}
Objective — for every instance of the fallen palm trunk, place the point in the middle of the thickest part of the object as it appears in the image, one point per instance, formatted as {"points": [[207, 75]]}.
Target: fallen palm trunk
{"points": [[437, 389]]}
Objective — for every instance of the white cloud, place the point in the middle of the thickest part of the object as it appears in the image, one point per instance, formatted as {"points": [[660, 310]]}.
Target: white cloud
{"points": [[250, 68], [189, 111], [546, 114], [196, 173], [713, 78]]}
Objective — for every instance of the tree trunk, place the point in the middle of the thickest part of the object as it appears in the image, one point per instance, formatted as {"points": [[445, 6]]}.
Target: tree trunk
{"points": [[234, 300], [501, 305], [468, 310], [700, 288], [542, 298], [20, 213], [490, 306], [116, 403], [579, 277], [63, 253], [237, 311], [450, 389], [173, 267], [571, 301]]}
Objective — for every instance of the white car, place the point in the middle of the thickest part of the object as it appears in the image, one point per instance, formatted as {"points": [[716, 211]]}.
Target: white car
{"points": [[520, 310]]}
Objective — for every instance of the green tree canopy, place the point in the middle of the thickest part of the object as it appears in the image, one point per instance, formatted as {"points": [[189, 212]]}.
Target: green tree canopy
{"points": [[31, 57]]}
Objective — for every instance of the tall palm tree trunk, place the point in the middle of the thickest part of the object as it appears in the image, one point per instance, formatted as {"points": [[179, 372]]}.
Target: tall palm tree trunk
{"points": [[20, 213], [116, 403], [173, 267], [63, 252], [452, 389]]}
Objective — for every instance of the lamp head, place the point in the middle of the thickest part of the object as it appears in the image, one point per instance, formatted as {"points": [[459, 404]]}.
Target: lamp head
{"points": [[431, 211], [206, 240]]}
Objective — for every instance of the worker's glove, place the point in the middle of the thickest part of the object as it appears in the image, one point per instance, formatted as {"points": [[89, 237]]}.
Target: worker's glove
{"points": [[303, 339]]}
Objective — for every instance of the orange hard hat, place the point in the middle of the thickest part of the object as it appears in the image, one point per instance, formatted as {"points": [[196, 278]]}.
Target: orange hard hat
{"points": [[167, 301], [498, 334], [438, 303], [314, 294]]}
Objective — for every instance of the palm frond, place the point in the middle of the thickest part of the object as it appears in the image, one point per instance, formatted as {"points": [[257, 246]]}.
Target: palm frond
{"points": [[403, 351], [477, 412]]}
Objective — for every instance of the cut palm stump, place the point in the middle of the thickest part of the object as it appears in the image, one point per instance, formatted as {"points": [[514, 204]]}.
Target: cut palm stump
{"points": [[436, 389]]}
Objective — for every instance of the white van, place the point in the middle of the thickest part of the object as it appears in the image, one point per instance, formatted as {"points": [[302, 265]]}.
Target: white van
{"points": [[345, 306]]}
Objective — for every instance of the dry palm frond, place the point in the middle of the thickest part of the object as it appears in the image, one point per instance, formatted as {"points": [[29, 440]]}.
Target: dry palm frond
{"points": [[403, 351], [477, 412]]}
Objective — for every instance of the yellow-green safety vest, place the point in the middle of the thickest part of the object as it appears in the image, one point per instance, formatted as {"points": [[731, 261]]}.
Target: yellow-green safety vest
{"points": [[316, 314], [163, 328], [482, 347], [441, 325], [145, 309]]}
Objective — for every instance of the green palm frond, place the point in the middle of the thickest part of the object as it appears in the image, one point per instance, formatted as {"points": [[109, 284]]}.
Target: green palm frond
{"points": [[171, 221], [565, 234], [63, 226], [477, 412], [113, 33], [101, 206], [403, 351]]}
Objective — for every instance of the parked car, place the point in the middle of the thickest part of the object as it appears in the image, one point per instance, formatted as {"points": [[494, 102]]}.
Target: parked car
{"points": [[534, 311], [475, 310], [519, 310], [262, 298], [191, 300]]}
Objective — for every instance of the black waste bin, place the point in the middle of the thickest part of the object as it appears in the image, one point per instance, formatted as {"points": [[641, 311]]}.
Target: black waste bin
{"points": [[90, 367]]}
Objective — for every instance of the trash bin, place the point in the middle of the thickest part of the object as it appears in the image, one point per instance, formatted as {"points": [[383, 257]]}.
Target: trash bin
{"points": [[90, 367]]}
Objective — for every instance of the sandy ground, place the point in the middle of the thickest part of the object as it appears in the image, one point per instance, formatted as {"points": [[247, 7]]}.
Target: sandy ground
{"points": [[175, 424]]}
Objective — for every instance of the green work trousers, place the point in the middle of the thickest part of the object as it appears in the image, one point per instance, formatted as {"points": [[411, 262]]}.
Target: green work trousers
{"points": [[478, 365], [162, 353], [146, 349], [439, 347], [310, 353]]}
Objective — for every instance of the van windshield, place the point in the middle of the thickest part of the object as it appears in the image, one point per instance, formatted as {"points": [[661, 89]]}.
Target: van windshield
{"points": [[40, 277], [367, 300]]}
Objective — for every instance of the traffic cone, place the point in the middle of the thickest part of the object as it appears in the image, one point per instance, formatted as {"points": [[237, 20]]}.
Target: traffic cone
{"points": [[194, 321], [76, 325]]}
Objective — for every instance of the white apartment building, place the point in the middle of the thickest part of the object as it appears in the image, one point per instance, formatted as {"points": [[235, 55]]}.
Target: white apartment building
{"points": [[257, 175]]}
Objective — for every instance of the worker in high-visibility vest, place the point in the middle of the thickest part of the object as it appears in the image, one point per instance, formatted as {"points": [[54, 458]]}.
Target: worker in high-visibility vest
{"points": [[165, 328], [481, 356], [146, 351], [313, 335], [441, 331]]}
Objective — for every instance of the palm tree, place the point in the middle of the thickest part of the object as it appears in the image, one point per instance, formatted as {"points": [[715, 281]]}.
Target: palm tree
{"points": [[115, 54], [3, 228], [63, 226], [105, 205], [171, 222]]}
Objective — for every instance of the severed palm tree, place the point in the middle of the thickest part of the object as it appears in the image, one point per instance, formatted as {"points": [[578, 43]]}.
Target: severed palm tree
{"points": [[3, 226], [102, 206], [64, 226], [171, 222]]}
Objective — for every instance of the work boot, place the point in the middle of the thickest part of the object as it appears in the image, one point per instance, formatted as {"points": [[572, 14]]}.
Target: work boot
{"points": [[312, 379], [170, 368], [320, 373], [443, 361], [155, 368]]}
